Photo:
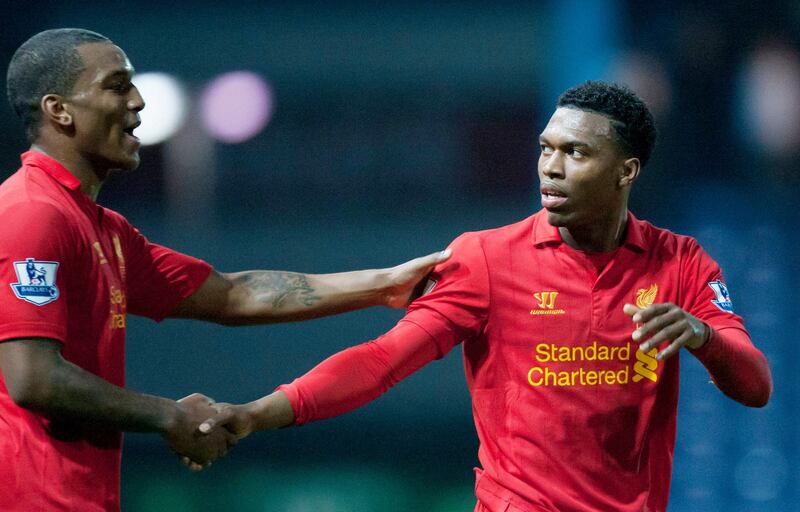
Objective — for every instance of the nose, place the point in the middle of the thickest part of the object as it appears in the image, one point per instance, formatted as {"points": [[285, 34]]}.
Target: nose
{"points": [[135, 101], [552, 164]]}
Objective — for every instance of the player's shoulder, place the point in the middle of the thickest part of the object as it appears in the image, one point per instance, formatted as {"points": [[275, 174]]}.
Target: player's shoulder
{"points": [[501, 234], [667, 242], [25, 192], [117, 219], [486, 243], [41, 209]]}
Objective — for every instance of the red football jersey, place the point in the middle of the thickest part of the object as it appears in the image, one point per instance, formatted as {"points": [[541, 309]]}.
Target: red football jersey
{"points": [[569, 413], [71, 270]]}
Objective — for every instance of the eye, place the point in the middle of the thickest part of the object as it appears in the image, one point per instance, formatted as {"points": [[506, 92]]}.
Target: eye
{"points": [[121, 87], [546, 150], [576, 153]]}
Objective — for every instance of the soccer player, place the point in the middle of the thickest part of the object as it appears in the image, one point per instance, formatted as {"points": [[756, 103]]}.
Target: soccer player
{"points": [[71, 272], [569, 321]]}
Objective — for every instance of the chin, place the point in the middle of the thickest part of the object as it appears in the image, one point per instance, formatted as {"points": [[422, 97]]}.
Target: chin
{"points": [[556, 219], [129, 164]]}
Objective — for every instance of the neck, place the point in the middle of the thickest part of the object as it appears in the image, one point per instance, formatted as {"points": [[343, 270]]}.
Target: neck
{"points": [[91, 180], [603, 235]]}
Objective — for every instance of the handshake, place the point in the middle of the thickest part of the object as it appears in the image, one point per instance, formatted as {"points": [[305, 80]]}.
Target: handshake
{"points": [[200, 430]]}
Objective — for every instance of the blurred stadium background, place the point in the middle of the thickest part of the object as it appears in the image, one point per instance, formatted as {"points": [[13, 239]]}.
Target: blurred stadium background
{"points": [[332, 136]]}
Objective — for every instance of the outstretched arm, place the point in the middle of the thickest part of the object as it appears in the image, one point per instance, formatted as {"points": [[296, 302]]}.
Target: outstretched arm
{"points": [[339, 384], [39, 379], [264, 296]]}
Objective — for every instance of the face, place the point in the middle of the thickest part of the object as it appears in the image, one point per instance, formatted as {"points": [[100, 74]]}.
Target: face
{"points": [[105, 106], [580, 168]]}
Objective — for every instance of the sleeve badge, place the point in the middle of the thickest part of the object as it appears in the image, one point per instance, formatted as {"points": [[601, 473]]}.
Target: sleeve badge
{"points": [[723, 298], [36, 281]]}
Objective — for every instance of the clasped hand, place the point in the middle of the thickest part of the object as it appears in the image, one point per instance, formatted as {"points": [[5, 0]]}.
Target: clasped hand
{"points": [[197, 449]]}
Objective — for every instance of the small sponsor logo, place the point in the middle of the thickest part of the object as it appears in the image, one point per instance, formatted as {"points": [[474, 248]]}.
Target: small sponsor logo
{"points": [[546, 304], [723, 297], [36, 281]]}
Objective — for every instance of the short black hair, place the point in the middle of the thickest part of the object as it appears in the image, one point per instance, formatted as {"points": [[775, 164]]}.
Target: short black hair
{"points": [[47, 63], [631, 119]]}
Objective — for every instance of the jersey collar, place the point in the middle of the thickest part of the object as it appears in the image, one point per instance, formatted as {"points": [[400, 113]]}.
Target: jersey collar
{"points": [[543, 233], [52, 168]]}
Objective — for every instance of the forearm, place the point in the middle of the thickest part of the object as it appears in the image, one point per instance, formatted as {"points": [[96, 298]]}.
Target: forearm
{"points": [[263, 296], [267, 296], [359, 374], [79, 396], [38, 378], [737, 367]]}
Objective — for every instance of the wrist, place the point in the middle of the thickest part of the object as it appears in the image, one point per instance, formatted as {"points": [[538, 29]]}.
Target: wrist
{"points": [[169, 417], [703, 334], [270, 412]]}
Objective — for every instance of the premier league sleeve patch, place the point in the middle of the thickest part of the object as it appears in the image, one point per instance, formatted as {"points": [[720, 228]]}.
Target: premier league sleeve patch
{"points": [[723, 298], [36, 281]]}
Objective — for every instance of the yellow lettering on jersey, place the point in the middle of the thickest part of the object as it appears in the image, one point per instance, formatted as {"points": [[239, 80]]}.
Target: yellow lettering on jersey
{"points": [[120, 257], [119, 306], [99, 249]]}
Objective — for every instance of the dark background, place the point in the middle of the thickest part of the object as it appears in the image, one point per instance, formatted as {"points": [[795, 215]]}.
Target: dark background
{"points": [[398, 126]]}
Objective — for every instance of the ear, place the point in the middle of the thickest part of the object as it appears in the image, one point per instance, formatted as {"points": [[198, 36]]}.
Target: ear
{"points": [[53, 109], [629, 172]]}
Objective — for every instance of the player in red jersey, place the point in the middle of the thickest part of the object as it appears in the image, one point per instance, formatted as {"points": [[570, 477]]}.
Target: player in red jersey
{"points": [[568, 320], [71, 272]]}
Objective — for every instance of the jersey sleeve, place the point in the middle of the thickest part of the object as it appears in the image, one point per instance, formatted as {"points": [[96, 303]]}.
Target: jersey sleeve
{"points": [[705, 294], [36, 262], [735, 365], [453, 309], [159, 278], [360, 374], [457, 305]]}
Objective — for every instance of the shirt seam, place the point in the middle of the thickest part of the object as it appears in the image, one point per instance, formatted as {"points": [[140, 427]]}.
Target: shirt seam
{"points": [[485, 320]]}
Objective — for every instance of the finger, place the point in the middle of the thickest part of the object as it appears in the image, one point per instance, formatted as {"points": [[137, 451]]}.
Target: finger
{"points": [[197, 398], [651, 312], [655, 323], [630, 309], [231, 439], [186, 461], [220, 406], [220, 419], [673, 347], [429, 261], [669, 332], [444, 255], [194, 466]]}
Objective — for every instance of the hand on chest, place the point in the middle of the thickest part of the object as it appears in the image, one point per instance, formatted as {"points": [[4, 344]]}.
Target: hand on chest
{"points": [[563, 324]]}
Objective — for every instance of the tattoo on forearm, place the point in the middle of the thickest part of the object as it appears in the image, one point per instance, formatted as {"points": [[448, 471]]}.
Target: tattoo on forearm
{"points": [[281, 288]]}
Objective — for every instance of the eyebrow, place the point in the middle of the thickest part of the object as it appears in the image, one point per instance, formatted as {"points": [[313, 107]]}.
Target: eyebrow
{"points": [[569, 143], [124, 73]]}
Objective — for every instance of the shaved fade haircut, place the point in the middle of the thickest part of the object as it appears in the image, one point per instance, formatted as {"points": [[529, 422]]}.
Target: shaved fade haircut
{"points": [[630, 118], [47, 63]]}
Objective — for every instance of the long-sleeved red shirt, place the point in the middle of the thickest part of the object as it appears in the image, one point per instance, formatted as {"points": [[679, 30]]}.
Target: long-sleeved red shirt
{"points": [[569, 413]]}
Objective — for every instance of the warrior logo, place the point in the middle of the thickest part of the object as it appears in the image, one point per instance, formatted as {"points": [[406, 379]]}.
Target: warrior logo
{"points": [[546, 302], [37, 281]]}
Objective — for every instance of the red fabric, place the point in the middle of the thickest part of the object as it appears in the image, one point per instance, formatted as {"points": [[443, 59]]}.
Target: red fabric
{"points": [[569, 416], [105, 270]]}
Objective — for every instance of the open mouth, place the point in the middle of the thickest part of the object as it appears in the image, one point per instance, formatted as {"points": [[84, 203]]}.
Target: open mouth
{"points": [[129, 131], [552, 198]]}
